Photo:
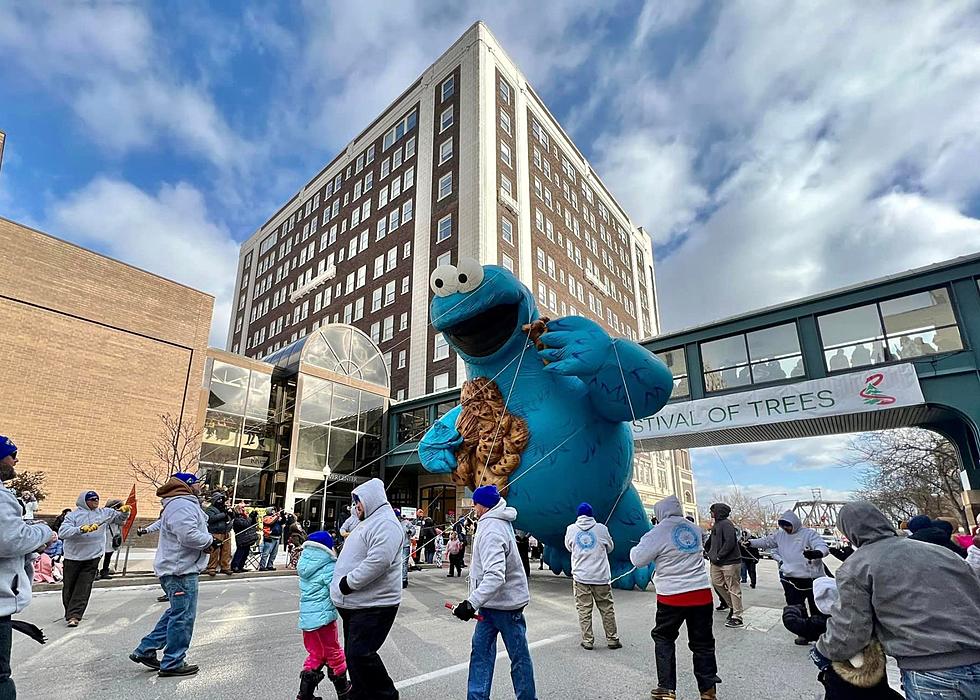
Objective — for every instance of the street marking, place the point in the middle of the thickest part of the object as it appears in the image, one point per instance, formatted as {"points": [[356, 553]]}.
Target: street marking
{"points": [[254, 617], [762, 619], [449, 670]]}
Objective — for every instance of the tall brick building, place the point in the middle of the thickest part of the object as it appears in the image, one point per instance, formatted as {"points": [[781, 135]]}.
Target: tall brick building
{"points": [[469, 162]]}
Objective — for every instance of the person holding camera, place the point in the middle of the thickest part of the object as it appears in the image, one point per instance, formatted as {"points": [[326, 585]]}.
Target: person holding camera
{"points": [[181, 556], [219, 525], [271, 534]]}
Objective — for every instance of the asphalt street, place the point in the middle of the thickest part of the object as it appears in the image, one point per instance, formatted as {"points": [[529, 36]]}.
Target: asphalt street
{"points": [[247, 644]]}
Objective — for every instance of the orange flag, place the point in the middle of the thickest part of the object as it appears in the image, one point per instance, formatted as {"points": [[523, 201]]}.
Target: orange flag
{"points": [[131, 502]]}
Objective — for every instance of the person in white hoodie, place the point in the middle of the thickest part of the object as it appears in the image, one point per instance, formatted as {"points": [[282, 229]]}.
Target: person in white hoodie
{"points": [[84, 537], [182, 553], [683, 597], [367, 590], [590, 545], [19, 542], [498, 594], [801, 551]]}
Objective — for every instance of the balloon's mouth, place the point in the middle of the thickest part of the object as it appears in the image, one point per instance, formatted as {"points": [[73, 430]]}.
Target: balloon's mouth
{"points": [[485, 333]]}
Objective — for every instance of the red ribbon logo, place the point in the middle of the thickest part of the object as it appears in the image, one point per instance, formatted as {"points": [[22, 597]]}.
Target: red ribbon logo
{"points": [[872, 394]]}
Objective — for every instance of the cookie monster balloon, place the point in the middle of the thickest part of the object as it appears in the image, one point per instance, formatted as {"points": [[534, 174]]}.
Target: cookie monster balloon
{"points": [[546, 418]]}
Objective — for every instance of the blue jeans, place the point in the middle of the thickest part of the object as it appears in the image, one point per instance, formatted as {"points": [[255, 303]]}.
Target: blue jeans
{"points": [[960, 683], [270, 548], [512, 627], [406, 555], [175, 627]]}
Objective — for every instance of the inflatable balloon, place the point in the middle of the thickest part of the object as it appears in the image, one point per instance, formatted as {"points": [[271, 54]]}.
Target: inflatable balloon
{"points": [[545, 412]]}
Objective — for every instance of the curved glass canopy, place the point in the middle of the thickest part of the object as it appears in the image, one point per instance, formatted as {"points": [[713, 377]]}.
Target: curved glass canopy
{"points": [[337, 348]]}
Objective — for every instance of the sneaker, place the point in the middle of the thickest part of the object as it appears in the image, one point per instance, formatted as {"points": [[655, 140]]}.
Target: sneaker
{"points": [[227, 573], [801, 641], [615, 645], [588, 645], [722, 606], [163, 598], [735, 622], [182, 670], [663, 694], [149, 660], [211, 573], [73, 622], [709, 694]]}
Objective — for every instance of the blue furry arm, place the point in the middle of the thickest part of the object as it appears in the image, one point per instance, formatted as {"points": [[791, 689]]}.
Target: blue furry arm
{"points": [[579, 347], [437, 448]]}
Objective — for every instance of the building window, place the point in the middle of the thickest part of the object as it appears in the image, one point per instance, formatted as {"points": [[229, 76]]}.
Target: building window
{"points": [[504, 92], [441, 351], [409, 178], [390, 293], [505, 154], [507, 231], [446, 119], [376, 299], [401, 359], [445, 186], [677, 364], [405, 284], [445, 228], [389, 328], [507, 186], [897, 329], [376, 332], [507, 263], [407, 250], [408, 211], [445, 259], [445, 150], [760, 357], [440, 382], [505, 121], [541, 259], [410, 148], [403, 321], [448, 88]]}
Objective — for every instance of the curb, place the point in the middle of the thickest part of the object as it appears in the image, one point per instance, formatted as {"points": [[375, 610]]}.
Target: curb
{"points": [[149, 579]]}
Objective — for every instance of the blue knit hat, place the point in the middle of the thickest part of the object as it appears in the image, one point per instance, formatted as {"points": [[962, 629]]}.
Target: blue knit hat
{"points": [[487, 496], [7, 447], [919, 522], [91, 495], [321, 537], [584, 509], [186, 477]]}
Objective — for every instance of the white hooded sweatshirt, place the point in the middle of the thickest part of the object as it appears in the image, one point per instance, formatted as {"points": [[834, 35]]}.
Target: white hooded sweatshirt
{"points": [[82, 546], [497, 578], [590, 544], [792, 545], [675, 547], [371, 559]]}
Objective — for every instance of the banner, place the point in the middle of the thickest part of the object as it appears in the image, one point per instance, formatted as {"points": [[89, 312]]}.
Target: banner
{"points": [[871, 390], [131, 502]]}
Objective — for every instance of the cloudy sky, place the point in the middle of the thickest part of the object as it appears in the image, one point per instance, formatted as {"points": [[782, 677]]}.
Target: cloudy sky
{"points": [[773, 150]]}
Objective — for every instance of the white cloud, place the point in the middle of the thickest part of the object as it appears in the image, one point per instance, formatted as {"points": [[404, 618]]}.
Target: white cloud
{"points": [[807, 454], [819, 149], [105, 61], [169, 233]]}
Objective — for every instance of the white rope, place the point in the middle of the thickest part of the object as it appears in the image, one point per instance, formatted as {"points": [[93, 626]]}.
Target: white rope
{"points": [[503, 412], [629, 401]]}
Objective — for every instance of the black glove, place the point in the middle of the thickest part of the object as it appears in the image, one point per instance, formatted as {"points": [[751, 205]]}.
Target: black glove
{"points": [[812, 554], [464, 611], [345, 587]]}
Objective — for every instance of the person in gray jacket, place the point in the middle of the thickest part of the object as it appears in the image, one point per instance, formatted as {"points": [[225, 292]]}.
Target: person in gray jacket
{"points": [[84, 538], [367, 590], [801, 553], [590, 544], [19, 541], [182, 554], [935, 638], [499, 593]]}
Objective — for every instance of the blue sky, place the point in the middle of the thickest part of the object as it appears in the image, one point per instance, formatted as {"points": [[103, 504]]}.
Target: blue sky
{"points": [[773, 150]]}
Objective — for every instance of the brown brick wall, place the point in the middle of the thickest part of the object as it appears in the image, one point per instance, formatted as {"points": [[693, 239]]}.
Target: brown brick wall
{"points": [[448, 206], [93, 352]]}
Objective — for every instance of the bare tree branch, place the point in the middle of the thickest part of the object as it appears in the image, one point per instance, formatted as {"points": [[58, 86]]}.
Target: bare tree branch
{"points": [[906, 472], [175, 449]]}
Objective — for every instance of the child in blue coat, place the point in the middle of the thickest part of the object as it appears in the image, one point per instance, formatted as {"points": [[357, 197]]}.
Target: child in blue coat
{"points": [[318, 619]]}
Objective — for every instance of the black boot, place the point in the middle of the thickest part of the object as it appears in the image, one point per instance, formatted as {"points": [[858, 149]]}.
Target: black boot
{"points": [[308, 681], [340, 684]]}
